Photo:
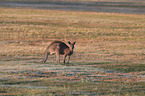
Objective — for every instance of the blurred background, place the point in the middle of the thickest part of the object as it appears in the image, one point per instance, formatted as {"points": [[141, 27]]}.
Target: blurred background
{"points": [[117, 6]]}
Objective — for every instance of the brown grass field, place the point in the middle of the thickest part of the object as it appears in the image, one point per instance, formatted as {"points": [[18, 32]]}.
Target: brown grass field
{"points": [[108, 59]]}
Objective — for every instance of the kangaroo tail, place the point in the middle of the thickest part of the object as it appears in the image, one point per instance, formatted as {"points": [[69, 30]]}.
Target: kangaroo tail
{"points": [[46, 56]]}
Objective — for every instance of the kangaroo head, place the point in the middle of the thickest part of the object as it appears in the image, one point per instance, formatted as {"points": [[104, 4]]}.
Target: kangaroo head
{"points": [[71, 45]]}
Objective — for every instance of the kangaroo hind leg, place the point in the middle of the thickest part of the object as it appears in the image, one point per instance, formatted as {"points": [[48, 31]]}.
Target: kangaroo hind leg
{"points": [[57, 56]]}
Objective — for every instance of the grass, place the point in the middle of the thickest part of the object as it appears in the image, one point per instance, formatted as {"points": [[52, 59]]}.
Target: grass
{"points": [[105, 27], [97, 88], [122, 67], [108, 58]]}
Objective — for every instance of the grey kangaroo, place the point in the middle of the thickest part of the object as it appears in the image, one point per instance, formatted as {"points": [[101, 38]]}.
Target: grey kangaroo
{"points": [[59, 48]]}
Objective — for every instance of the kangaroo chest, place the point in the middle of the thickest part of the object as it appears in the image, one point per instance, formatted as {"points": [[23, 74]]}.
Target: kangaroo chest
{"points": [[66, 52]]}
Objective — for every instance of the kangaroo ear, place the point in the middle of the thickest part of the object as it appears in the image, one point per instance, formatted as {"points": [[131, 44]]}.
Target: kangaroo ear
{"points": [[74, 42], [69, 42]]}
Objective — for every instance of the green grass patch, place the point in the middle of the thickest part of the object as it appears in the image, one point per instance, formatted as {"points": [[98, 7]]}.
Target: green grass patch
{"points": [[65, 88], [120, 67]]}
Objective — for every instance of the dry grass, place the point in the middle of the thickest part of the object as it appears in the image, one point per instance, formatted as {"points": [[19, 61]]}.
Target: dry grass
{"points": [[108, 36]]}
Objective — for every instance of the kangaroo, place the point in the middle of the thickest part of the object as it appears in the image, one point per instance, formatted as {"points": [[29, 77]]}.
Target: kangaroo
{"points": [[59, 48]]}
